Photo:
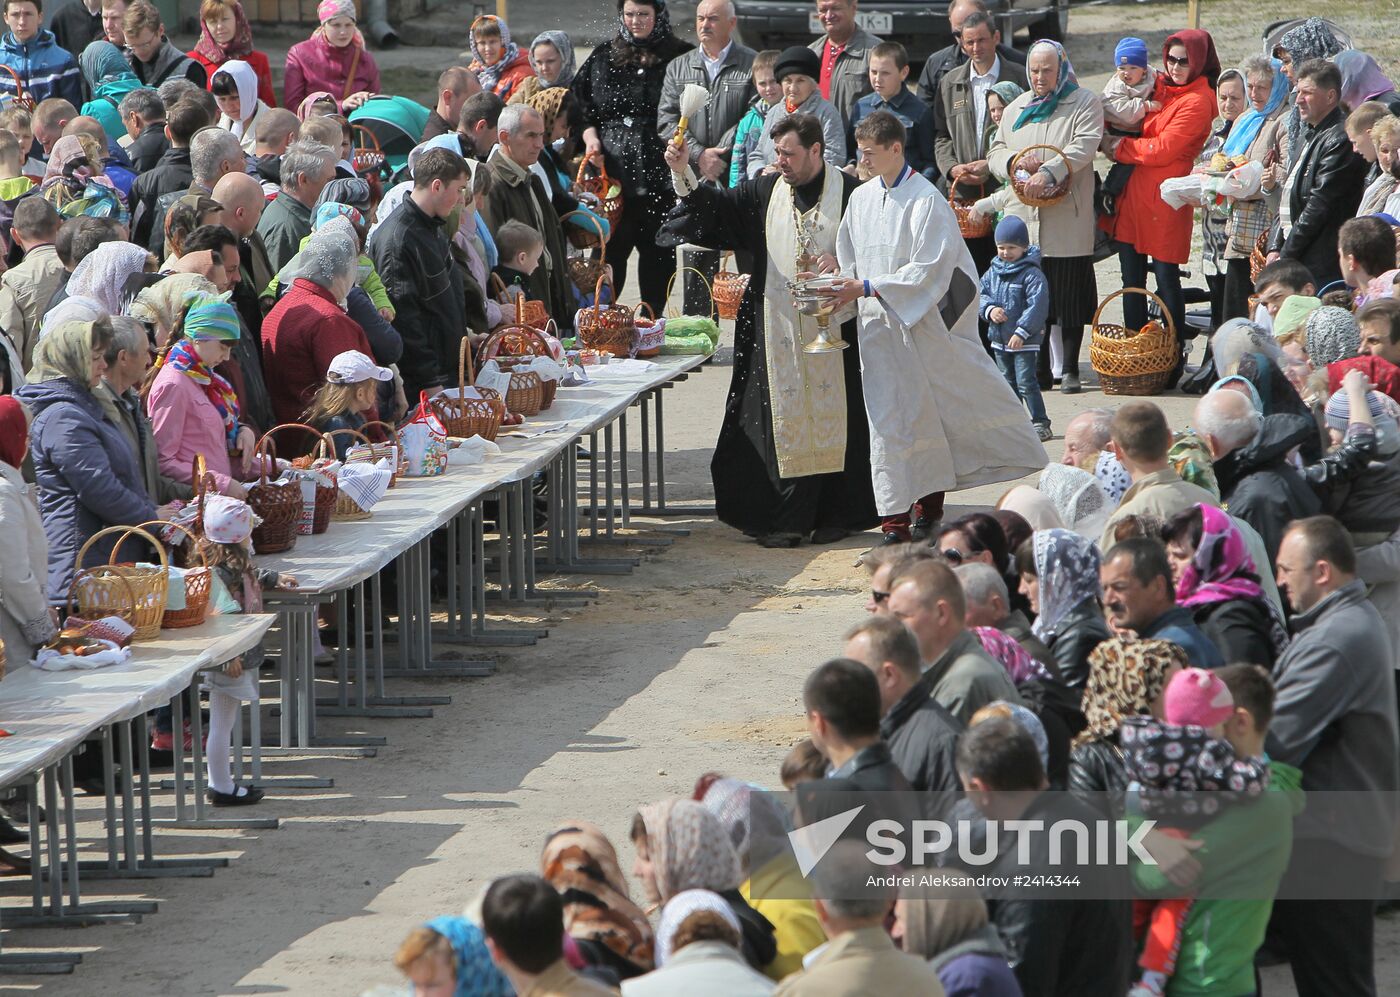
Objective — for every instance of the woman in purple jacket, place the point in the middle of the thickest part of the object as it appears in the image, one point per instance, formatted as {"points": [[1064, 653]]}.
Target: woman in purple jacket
{"points": [[334, 60], [87, 475], [948, 926]]}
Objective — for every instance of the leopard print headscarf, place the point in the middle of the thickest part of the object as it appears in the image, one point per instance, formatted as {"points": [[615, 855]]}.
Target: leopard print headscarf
{"points": [[1125, 679]]}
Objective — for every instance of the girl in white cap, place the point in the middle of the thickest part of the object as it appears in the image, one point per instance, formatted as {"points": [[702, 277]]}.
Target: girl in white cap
{"points": [[228, 526], [350, 390]]}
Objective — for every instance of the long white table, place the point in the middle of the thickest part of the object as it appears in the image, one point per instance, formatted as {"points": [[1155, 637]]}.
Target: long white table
{"points": [[338, 564]]}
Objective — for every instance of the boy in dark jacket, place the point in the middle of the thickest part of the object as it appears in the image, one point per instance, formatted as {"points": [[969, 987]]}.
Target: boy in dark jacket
{"points": [[1015, 303], [520, 249]]}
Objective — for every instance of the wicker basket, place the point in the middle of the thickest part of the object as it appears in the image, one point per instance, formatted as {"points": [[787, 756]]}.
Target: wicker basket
{"points": [[972, 224], [709, 289], [1259, 257], [523, 339], [1133, 362], [584, 269], [608, 330], [136, 594], [278, 506], [467, 417], [727, 292], [379, 451], [326, 495], [534, 312], [1053, 195], [548, 389], [609, 205], [199, 580], [345, 507], [526, 394]]}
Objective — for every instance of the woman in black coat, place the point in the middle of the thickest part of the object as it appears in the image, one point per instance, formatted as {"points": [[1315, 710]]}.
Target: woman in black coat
{"points": [[1218, 581], [619, 89]]}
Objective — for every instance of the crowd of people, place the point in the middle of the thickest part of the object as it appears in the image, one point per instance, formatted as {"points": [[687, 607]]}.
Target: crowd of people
{"points": [[190, 261]]}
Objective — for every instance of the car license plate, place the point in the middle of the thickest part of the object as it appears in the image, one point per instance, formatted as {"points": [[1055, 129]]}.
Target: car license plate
{"points": [[874, 22]]}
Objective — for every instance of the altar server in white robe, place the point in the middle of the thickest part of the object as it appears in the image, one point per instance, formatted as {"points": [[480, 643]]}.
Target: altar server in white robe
{"points": [[942, 418]]}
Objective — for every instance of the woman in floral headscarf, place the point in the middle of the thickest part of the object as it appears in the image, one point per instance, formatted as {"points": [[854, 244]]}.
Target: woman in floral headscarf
{"points": [[775, 889], [1310, 40], [497, 61], [1126, 679], [334, 60], [224, 34], [74, 182], [1060, 576], [1217, 579], [599, 915], [1058, 112], [681, 845], [192, 409]]}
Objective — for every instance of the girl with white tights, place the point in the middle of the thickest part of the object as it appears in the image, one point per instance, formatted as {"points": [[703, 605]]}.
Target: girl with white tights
{"points": [[228, 527]]}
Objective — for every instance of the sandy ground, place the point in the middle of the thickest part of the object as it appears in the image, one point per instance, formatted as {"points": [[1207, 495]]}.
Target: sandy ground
{"points": [[692, 663]]}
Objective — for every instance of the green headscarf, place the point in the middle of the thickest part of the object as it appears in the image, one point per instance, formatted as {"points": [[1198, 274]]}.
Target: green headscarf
{"points": [[64, 352], [1293, 313], [1040, 108], [102, 62]]}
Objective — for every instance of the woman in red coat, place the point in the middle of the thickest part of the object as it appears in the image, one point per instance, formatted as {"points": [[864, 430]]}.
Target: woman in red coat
{"points": [[308, 327], [1171, 140], [224, 34]]}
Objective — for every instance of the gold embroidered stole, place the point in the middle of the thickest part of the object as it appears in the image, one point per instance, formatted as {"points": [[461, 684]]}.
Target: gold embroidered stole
{"points": [[806, 391]]}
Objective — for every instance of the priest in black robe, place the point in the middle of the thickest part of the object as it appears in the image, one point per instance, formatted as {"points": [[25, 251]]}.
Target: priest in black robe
{"points": [[792, 461]]}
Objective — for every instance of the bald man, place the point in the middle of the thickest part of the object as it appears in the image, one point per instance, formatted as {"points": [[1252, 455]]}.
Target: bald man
{"points": [[243, 201], [1086, 436], [454, 87], [1250, 452]]}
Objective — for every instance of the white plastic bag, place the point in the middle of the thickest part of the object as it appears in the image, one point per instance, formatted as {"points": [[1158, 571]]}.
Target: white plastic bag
{"points": [[1184, 192]]}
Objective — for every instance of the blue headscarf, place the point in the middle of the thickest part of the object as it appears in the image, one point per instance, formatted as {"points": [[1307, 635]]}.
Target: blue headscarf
{"points": [[477, 975], [1247, 126], [1040, 108]]}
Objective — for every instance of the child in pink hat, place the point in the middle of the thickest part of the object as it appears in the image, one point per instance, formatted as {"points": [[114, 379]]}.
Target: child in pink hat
{"points": [[1183, 770]]}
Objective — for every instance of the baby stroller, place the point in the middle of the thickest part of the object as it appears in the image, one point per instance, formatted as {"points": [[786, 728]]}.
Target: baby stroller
{"points": [[396, 124]]}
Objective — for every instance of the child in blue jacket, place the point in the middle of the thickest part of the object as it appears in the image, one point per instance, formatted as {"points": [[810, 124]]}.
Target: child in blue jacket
{"points": [[1015, 303]]}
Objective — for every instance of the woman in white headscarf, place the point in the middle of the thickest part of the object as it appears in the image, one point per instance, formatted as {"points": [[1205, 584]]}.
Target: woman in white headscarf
{"points": [[103, 273], [697, 951], [235, 89]]}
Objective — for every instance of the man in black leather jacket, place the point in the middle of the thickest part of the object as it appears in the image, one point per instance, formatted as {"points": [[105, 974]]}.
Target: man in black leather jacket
{"points": [[1324, 187], [922, 735]]}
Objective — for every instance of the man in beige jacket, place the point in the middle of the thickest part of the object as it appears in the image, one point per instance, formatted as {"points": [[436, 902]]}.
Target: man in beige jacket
{"points": [[26, 289], [1140, 438], [859, 958]]}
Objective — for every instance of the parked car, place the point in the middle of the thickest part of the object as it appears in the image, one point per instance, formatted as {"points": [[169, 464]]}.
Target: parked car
{"points": [[921, 26]]}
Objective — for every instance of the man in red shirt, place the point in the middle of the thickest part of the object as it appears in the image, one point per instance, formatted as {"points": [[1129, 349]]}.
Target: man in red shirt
{"points": [[845, 54]]}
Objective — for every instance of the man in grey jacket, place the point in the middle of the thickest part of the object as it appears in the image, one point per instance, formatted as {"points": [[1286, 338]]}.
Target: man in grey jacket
{"points": [[722, 66], [1335, 719], [921, 733], [928, 599], [128, 358], [844, 52]]}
